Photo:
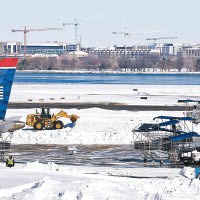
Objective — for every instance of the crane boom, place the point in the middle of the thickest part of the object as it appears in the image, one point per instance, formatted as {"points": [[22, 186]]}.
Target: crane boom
{"points": [[126, 34], [41, 29], [160, 38], [25, 31]]}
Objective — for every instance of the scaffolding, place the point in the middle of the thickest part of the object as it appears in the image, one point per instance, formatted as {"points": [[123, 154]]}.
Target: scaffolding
{"points": [[167, 135], [5, 143], [194, 111]]}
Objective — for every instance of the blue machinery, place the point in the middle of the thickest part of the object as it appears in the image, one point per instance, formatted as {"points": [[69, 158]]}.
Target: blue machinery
{"points": [[166, 134]]}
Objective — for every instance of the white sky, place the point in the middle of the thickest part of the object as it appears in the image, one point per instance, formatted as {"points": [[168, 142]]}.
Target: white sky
{"points": [[100, 18]]}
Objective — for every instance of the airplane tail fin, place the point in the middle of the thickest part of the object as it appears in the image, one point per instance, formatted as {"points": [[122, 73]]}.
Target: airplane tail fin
{"points": [[7, 72]]}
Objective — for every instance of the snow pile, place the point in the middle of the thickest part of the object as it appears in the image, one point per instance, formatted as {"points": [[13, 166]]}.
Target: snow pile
{"points": [[41, 167], [39, 181], [39, 190], [188, 172], [95, 126]]}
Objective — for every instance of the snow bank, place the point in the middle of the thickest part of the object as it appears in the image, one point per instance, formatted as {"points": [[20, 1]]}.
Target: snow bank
{"points": [[95, 126], [188, 172], [41, 167], [39, 182]]}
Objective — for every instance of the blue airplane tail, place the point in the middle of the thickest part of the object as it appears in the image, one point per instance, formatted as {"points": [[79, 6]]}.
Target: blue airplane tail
{"points": [[7, 72]]}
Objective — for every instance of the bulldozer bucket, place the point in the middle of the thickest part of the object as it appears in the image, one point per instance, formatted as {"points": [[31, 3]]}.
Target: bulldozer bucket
{"points": [[74, 118]]}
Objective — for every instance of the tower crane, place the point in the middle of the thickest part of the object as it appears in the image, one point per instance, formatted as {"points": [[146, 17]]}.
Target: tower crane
{"points": [[160, 38], [26, 30], [75, 24], [126, 34]]}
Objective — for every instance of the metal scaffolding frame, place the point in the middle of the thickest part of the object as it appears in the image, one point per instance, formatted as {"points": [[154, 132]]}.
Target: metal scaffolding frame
{"points": [[167, 135]]}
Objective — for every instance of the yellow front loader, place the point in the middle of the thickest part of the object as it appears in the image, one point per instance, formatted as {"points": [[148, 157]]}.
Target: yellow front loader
{"points": [[45, 120]]}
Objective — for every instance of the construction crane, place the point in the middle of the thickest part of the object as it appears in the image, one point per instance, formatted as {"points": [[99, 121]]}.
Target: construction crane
{"points": [[160, 38], [26, 30], [126, 34], [75, 24]]}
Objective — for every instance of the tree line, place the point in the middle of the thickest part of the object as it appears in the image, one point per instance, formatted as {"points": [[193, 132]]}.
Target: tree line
{"points": [[149, 62]]}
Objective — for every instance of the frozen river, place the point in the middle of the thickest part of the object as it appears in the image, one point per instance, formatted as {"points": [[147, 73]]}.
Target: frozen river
{"points": [[92, 78]]}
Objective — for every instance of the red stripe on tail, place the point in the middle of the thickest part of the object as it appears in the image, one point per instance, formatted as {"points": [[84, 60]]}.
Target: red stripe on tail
{"points": [[8, 62]]}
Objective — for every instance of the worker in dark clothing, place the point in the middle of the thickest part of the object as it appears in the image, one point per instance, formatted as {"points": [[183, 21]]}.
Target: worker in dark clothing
{"points": [[145, 159], [10, 162], [161, 162], [43, 111]]}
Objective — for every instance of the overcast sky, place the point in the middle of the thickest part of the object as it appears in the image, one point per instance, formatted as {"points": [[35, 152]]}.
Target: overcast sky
{"points": [[98, 19]]}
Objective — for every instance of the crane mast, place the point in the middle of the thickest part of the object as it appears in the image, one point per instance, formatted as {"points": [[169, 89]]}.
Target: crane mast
{"points": [[75, 24], [126, 34]]}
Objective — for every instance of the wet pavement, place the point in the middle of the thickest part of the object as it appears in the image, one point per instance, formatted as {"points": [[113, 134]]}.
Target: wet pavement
{"points": [[83, 155]]}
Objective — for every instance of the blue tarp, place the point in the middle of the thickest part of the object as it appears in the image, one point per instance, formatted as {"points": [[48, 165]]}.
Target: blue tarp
{"points": [[172, 131], [174, 118], [183, 136], [197, 172], [167, 123], [149, 127], [187, 101]]}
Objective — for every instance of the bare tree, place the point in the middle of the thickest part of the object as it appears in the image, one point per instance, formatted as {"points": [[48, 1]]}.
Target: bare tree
{"points": [[38, 63], [52, 63], [197, 66], [105, 62], [179, 63], [165, 64], [64, 62], [90, 62], [189, 63]]}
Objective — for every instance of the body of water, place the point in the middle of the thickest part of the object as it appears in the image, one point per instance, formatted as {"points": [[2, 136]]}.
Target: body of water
{"points": [[87, 78]]}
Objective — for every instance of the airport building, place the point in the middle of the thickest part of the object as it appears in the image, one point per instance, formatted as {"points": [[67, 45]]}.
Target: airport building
{"points": [[17, 48]]}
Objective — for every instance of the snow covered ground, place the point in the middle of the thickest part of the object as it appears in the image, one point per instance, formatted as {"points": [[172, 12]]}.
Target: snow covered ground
{"points": [[52, 182], [95, 126], [125, 94], [36, 181]]}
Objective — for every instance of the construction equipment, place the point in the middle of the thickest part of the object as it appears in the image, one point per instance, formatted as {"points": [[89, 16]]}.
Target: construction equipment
{"points": [[160, 38], [25, 31], [75, 24], [45, 120], [126, 35]]}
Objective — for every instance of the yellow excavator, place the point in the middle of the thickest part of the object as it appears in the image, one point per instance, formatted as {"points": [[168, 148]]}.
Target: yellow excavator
{"points": [[45, 120]]}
